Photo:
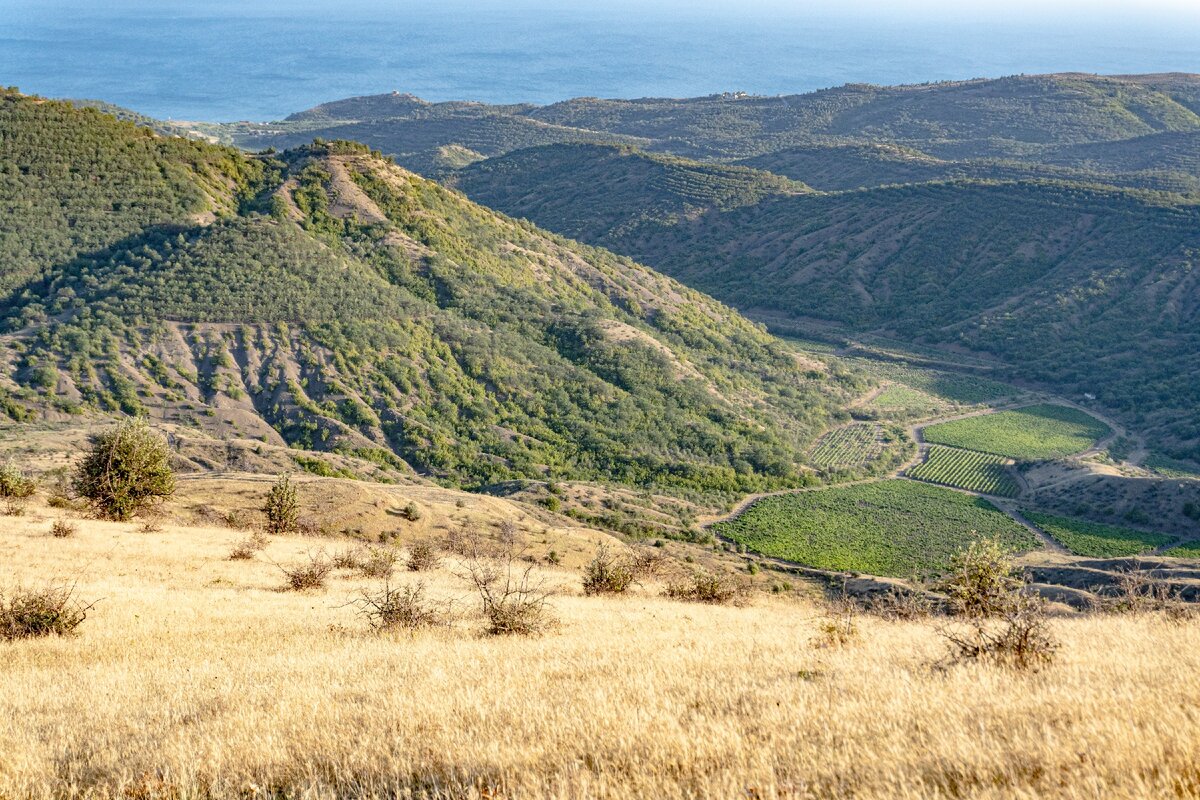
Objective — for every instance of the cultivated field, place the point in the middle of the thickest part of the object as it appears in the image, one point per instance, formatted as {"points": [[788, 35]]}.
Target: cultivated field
{"points": [[895, 527], [953, 387], [848, 447], [197, 677], [1027, 434], [1099, 541], [903, 402], [967, 469]]}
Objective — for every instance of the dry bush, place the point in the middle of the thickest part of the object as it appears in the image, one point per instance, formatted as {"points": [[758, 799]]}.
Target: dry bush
{"points": [[62, 529], [280, 507], [402, 608], [308, 574], [14, 506], [512, 593], [348, 558], [378, 562], [49, 611], [701, 586], [1005, 620], [838, 626], [1019, 636], [422, 556], [411, 512], [238, 519], [126, 469], [308, 526], [898, 603], [152, 521], [245, 549], [607, 573], [1139, 592]]}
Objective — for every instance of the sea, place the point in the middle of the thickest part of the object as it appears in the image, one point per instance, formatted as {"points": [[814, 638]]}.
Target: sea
{"points": [[221, 60]]}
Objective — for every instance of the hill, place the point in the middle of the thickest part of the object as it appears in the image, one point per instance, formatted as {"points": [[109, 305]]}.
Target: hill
{"points": [[1088, 290], [329, 300], [1160, 162], [1019, 118], [659, 187]]}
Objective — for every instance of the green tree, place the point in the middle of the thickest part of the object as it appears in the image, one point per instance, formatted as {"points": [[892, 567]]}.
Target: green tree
{"points": [[127, 468], [280, 507]]}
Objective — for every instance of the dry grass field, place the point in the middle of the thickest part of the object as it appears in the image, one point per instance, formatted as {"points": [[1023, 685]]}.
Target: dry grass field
{"points": [[199, 677]]}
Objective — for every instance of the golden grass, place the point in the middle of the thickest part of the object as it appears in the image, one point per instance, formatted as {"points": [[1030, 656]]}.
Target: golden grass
{"points": [[197, 677]]}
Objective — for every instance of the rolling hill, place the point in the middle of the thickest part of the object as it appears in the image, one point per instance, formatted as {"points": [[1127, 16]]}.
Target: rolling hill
{"points": [[327, 299], [1032, 119], [1088, 290]]}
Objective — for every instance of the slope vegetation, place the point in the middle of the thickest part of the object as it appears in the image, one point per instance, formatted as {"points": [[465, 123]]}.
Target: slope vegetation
{"points": [[331, 300], [1092, 291]]}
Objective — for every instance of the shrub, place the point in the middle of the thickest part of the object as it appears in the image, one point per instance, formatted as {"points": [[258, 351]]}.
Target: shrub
{"points": [[838, 626], [401, 608], [238, 520], [1019, 637], [422, 556], [14, 484], [245, 549], [411, 512], [309, 574], [1138, 592], [281, 507], [1005, 620], [152, 521], [607, 573], [707, 587], [50, 611], [513, 596], [62, 529], [14, 506], [126, 469], [982, 581], [378, 562]]}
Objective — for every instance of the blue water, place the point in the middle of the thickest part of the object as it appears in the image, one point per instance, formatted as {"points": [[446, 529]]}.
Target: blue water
{"points": [[223, 60]]}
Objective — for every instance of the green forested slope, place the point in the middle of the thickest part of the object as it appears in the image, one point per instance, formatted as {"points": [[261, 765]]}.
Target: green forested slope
{"points": [[1087, 290], [569, 184], [1022, 118], [331, 300]]}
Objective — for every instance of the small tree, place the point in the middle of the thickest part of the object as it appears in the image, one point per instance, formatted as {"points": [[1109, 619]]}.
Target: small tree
{"points": [[281, 508], [127, 468]]}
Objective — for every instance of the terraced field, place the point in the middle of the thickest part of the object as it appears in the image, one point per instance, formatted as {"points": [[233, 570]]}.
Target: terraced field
{"points": [[848, 447], [896, 527], [967, 469], [1096, 540], [1033, 433]]}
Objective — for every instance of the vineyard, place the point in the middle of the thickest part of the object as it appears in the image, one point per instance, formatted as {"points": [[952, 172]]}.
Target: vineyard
{"points": [[1032, 433], [898, 401], [1189, 550], [967, 469], [897, 527], [1096, 540], [848, 447], [953, 387]]}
